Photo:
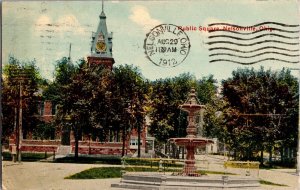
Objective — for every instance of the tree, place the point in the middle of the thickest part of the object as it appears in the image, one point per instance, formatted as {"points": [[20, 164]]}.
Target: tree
{"points": [[55, 91], [262, 104], [83, 98], [130, 90], [95, 99], [26, 76], [167, 94], [63, 75]]}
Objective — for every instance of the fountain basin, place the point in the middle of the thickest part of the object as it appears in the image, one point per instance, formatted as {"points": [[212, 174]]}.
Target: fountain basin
{"points": [[191, 141], [163, 181], [190, 144]]}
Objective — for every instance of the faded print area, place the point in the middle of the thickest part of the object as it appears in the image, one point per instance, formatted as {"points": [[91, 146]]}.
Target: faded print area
{"points": [[88, 82]]}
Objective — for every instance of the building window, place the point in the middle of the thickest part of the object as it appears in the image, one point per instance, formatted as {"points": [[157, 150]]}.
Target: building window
{"points": [[42, 108], [134, 142]]}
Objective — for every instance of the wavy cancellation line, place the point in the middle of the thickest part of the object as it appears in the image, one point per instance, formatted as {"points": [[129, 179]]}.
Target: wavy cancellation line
{"points": [[255, 43], [253, 38], [256, 55], [256, 31], [250, 63], [251, 51], [259, 24]]}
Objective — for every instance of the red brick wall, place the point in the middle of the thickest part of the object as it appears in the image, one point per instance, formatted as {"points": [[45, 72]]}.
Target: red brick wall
{"points": [[47, 117], [37, 145], [40, 142], [98, 144], [98, 150], [41, 148], [47, 108]]}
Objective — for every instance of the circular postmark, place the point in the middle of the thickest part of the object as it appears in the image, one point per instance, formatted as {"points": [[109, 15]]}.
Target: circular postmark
{"points": [[167, 45]]}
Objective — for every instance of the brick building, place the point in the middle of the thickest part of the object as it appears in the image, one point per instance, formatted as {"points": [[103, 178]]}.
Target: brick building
{"points": [[63, 142]]}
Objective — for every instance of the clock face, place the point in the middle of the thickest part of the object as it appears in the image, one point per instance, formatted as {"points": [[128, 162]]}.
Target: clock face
{"points": [[100, 46]]}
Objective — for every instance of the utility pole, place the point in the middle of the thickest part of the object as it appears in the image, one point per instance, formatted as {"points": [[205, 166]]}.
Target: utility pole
{"points": [[20, 75], [298, 143], [298, 139], [20, 123]]}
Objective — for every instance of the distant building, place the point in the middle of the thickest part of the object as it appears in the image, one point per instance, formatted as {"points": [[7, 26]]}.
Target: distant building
{"points": [[213, 148]]}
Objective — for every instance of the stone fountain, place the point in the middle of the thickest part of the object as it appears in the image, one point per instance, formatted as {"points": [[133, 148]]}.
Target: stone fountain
{"points": [[189, 178], [191, 141]]}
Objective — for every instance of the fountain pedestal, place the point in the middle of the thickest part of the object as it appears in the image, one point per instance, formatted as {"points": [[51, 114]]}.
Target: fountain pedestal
{"points": [[191, 142]]}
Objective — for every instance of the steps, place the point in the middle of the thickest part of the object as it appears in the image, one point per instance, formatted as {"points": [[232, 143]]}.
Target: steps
{"points": [[63, 150]]}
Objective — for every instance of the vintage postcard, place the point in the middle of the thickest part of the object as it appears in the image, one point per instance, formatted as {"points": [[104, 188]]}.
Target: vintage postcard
{"points": [[150, 94]]}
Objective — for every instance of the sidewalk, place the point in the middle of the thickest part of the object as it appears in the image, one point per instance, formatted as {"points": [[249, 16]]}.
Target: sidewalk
{"points": [[281, 176], [50, 176]]}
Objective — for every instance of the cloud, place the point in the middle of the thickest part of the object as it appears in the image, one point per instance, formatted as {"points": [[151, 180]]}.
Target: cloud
{"points": [[64, 24], [141, 17], [70, 23], [43, 20]]}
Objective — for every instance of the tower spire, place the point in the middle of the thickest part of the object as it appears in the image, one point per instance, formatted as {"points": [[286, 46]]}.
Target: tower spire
{"points": [[101, 49], [102, 15]]}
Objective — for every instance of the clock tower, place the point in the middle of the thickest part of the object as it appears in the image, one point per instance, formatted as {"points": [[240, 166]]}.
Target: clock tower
{"points": [[101, 49]]}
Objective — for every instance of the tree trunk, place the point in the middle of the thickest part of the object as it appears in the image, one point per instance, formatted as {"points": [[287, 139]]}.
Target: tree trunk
{"points": [[281, 155], [166, 148], [262, 157], [174, 150], [123, 139], [139, 139], [270, 155], [249, 154], [76, 145], [234, 155]]}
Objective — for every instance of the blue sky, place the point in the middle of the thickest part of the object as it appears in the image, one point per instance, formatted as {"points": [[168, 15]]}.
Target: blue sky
{"points": [[43, 30]]}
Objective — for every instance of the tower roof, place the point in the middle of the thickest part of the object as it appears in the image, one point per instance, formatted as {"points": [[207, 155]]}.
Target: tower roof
{"points": [[101, 39]]}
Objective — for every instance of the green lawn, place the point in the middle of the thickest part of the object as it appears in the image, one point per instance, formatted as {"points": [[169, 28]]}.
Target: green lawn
{"points": [[264, 182], [97, 173], [114, 160], [27, 157], [105, 172], [115, 172]]}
